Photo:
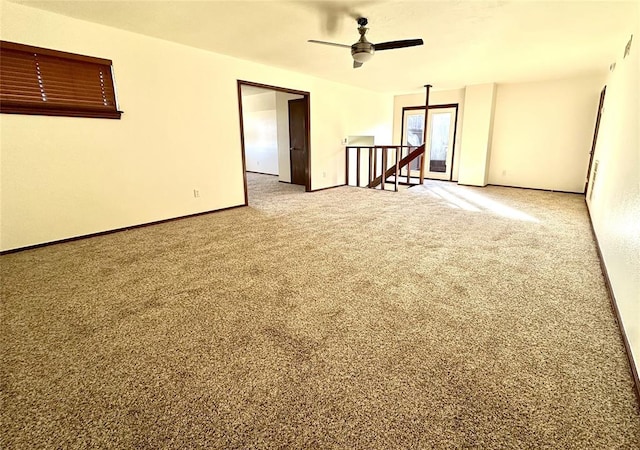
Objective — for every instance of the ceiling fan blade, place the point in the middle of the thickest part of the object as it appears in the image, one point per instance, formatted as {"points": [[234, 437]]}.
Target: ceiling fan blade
{"points": [[397, 44], [356, 64], [313, 41]]}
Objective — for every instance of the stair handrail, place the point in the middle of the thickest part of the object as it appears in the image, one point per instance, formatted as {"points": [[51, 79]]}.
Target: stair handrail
{"points": [[418, 151], [373, 179]]}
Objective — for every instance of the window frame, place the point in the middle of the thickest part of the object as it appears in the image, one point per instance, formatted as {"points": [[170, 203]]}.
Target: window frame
{"points": [[31, 108]]}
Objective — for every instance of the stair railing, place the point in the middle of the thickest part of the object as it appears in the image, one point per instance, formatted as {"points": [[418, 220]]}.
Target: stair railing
{"points": [[379, 157]]}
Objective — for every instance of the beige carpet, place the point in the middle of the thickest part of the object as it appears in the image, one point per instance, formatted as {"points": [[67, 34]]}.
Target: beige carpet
{"points": [[436, 317]]}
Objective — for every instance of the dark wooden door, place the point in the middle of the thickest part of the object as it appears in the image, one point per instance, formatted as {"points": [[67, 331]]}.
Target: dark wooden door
{"points": [[298, 145], [595, 137]]}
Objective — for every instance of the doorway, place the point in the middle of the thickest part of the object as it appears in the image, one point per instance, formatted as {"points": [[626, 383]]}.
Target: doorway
{"points": [[441, 136], [274, 133]]}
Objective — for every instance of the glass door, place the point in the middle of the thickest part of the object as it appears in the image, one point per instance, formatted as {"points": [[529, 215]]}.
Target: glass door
{"points": [[442, 124], [440, 140], [412, 134]]}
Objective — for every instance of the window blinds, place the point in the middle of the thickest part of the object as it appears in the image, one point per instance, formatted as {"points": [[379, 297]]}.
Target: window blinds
{"points": [[34, 80]]}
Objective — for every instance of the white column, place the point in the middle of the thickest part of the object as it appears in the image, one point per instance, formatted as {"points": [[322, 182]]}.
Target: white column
{"points": [[479, 105]]}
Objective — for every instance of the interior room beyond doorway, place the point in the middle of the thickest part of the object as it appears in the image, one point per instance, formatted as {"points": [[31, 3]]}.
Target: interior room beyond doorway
{"points": [[274, 141]]}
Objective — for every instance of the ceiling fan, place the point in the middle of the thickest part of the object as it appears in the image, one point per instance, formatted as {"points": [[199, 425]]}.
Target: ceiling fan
{"points": [[363, 50]]}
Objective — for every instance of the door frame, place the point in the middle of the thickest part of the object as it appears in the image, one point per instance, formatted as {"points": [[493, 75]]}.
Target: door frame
{"points": [[455, 128], [603, 92], [307, 97]]}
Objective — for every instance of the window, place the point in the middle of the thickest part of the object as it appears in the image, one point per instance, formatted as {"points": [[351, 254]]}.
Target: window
{"points": [[35, 80]]}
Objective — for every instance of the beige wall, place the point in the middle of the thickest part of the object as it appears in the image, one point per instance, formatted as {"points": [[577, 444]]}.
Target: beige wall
{"points": [[340, 113], [614, 193], [542, 133], [436, 97], [476, 135], [260, 132], [65, 177], [540, 136]]}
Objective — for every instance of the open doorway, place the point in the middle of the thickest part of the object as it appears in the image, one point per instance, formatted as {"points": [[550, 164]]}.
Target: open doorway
{"points": [[274, 127]]}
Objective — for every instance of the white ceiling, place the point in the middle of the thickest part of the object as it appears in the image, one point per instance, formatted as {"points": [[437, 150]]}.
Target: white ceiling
{"points": [[466, 42]]}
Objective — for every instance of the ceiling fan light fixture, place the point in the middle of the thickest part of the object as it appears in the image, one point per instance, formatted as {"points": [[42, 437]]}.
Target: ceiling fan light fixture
{"points": [[362, 56]]}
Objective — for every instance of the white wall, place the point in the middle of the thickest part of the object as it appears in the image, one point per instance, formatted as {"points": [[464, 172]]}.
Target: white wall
{"points": [[477, 134], [284, 155], [614, 194], [542, 133], [260, 132], [520, 153], [436, 97], [364, 141], [65, 177], [365, 115]]}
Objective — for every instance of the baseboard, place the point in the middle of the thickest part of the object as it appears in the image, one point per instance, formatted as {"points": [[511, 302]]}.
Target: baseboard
{"points": [[616, 311], [535, 189], [115, 230], [263, 173], [329, 187]]}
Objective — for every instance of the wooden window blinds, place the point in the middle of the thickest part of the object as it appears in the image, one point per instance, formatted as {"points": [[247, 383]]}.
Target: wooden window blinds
{"points": [[39, 81]]}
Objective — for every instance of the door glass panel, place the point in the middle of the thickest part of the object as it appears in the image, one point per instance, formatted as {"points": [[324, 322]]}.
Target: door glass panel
{"points": [[414, 133], [415, 129], [439, 145]]}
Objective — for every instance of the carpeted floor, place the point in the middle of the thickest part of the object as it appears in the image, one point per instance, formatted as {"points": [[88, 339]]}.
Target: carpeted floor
{"points": [[436, 317]]}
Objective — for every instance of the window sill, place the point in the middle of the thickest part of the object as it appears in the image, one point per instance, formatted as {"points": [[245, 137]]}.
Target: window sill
{"points": [[64, 112]]}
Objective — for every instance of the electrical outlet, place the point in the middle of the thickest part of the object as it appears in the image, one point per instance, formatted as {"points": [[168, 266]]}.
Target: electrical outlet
{"points": [[324, 174], [504, 172], [196, 193]]}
